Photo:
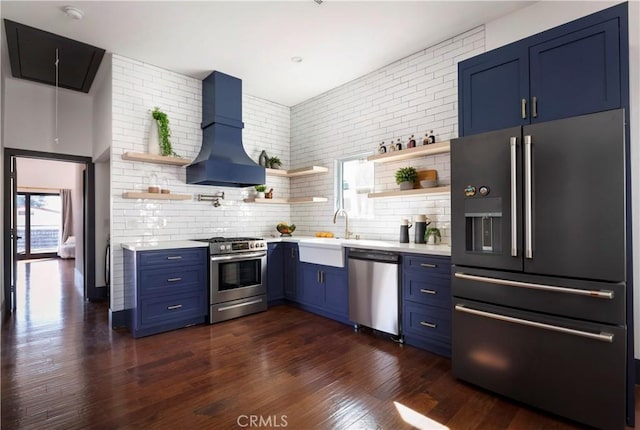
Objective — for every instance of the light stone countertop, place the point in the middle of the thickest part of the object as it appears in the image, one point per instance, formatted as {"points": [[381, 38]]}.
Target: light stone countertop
{"points": [[169, 244], [444, 250]]}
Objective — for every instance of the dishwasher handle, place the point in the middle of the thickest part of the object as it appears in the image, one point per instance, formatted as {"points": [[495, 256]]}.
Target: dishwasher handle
{"points": [[374, 255]]}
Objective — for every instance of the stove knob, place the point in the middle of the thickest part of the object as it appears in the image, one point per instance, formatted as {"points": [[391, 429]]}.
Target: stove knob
{"points": [[223, 247], [251, 245]]}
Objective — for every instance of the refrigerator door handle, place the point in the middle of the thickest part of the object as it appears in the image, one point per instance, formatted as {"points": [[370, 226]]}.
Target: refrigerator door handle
{"points": [[514, 196], [528, 252], [602, 336], [599, 294]]}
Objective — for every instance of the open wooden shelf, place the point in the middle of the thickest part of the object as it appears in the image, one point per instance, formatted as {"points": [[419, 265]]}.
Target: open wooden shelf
{"points": [[152, 158], [292, 173], [418, 151], [293, 200], [414, 192], [155, 196]]}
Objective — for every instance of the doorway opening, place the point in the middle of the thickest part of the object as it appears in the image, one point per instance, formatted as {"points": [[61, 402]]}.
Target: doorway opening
{"points": [[48, 213]]}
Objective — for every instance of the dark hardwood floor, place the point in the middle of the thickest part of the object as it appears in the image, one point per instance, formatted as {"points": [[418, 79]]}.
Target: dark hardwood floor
{"points": [[64, 368]]}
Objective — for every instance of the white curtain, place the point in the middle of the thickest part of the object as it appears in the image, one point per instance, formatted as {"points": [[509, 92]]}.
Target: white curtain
{"points": [[66, 247]]}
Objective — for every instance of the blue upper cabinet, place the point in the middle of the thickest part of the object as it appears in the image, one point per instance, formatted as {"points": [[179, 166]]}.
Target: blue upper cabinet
{"points": [[578, 68], [494, 89], [576, 74]]}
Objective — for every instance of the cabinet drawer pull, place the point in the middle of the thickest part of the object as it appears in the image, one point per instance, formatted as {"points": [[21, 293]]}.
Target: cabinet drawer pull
{"points": [[534, 107], [174, 279], [428, 324], [523, 105], [175, 257], [422, 290], [429, 265], [171, 308]]}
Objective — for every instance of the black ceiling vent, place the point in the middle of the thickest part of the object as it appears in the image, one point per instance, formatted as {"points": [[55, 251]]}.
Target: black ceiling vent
{"points": [[32, 53]]}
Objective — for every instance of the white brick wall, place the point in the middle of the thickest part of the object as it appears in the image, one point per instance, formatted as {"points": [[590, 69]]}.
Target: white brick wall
{"points": [[413, 95], [137, 89], [410, 96]]}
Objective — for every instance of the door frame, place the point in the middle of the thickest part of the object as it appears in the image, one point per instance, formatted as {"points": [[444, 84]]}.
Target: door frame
{"points": [[90, 291]]}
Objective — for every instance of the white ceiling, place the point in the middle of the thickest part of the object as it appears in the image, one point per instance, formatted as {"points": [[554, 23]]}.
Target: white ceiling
{"points": [[255, 40]]}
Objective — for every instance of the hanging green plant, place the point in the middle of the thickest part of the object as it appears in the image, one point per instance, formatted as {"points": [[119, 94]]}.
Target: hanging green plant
{"points": [[163, 129]]}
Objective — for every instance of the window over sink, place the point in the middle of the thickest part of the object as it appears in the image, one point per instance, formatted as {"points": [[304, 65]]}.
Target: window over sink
{"points": [[354, 180]]}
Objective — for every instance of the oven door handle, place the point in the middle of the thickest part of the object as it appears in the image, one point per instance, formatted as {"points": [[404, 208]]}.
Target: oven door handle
{"points": [[238, 257]]}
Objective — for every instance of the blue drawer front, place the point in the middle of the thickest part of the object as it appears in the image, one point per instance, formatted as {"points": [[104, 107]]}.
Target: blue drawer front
{"points": [[172, 280], [430, 290], [171, 308], [428, 265], [173, 257], [428, 322]]}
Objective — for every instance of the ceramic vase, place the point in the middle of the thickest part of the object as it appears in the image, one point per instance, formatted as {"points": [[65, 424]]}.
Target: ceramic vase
{"points": [[153, 146]]}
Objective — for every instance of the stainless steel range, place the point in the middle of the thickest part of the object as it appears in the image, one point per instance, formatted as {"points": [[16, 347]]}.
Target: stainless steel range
{"points": [[238, 274]]}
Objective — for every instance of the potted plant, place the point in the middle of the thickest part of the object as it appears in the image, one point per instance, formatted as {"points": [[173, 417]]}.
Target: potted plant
{"points": [[163, 129], [405, 177], [260, 189], [432, 236], [274, 162]]}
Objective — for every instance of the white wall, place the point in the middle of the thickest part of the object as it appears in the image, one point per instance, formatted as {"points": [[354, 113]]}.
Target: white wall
{"points": [[29, 118], [411, 96], [102, 119], [544, 15], [137, 89]]}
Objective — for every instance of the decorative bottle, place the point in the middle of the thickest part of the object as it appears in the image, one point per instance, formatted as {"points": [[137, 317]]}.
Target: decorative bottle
{"points": [[432, 137], [425, 140], [398, 145], [382, 149], [412, 142]]}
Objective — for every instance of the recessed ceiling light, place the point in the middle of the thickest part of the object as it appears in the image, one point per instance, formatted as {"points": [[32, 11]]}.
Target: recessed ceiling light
{"points": [[318, 1], [296, 59], [73, 12]]}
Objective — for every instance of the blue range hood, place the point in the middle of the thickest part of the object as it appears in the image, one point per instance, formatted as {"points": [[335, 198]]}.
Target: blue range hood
{"points": [[222, 160]]}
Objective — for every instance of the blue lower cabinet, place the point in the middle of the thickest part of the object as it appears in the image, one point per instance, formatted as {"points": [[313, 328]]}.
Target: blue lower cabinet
{"points": [[426, 302], [165, 289], [324, 290], [275, 273], [290, 269]]}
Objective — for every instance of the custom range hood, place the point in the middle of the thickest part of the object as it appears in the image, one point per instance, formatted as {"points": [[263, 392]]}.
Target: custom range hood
{"points": [[222, 160]]}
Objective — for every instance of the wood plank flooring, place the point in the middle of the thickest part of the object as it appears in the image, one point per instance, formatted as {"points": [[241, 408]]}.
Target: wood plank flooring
{"points": [[64, 368]]}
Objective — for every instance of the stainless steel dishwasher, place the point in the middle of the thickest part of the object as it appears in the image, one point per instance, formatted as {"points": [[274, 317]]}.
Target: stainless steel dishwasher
{"points": [[374, 289]]}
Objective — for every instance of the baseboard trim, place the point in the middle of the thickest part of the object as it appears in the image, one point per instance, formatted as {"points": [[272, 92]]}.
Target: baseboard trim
{"points": [[100, 294], [117, 319]]}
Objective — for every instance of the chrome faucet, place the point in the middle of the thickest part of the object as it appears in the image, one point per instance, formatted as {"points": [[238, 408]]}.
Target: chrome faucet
{"points": [[342, 212]]}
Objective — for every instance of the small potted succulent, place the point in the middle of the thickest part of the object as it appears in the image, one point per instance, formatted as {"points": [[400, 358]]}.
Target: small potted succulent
{"points": [[274, 162], [260, 189], [405, 177], [432, 236]]}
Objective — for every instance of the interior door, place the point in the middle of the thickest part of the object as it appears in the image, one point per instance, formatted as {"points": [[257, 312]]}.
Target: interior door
{"points": [[577, 203], [486, 206], [10, 290]]}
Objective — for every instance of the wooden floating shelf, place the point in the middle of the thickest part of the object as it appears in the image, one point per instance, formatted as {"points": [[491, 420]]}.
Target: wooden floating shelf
{"points": [[292, 173], [418, 151], [414, 192], [293, 200], [155, 196], [152, 158]]}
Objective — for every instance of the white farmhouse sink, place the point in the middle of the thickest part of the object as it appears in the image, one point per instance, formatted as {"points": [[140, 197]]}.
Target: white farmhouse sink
{"points": [[326, 251]]}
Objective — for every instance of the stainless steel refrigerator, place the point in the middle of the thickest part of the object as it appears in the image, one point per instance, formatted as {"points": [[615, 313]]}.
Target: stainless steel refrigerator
{"points": [[538, 282]]}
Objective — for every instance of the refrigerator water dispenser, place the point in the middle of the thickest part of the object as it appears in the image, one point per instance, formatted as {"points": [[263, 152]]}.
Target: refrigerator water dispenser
{"points": [[483, 220]]}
